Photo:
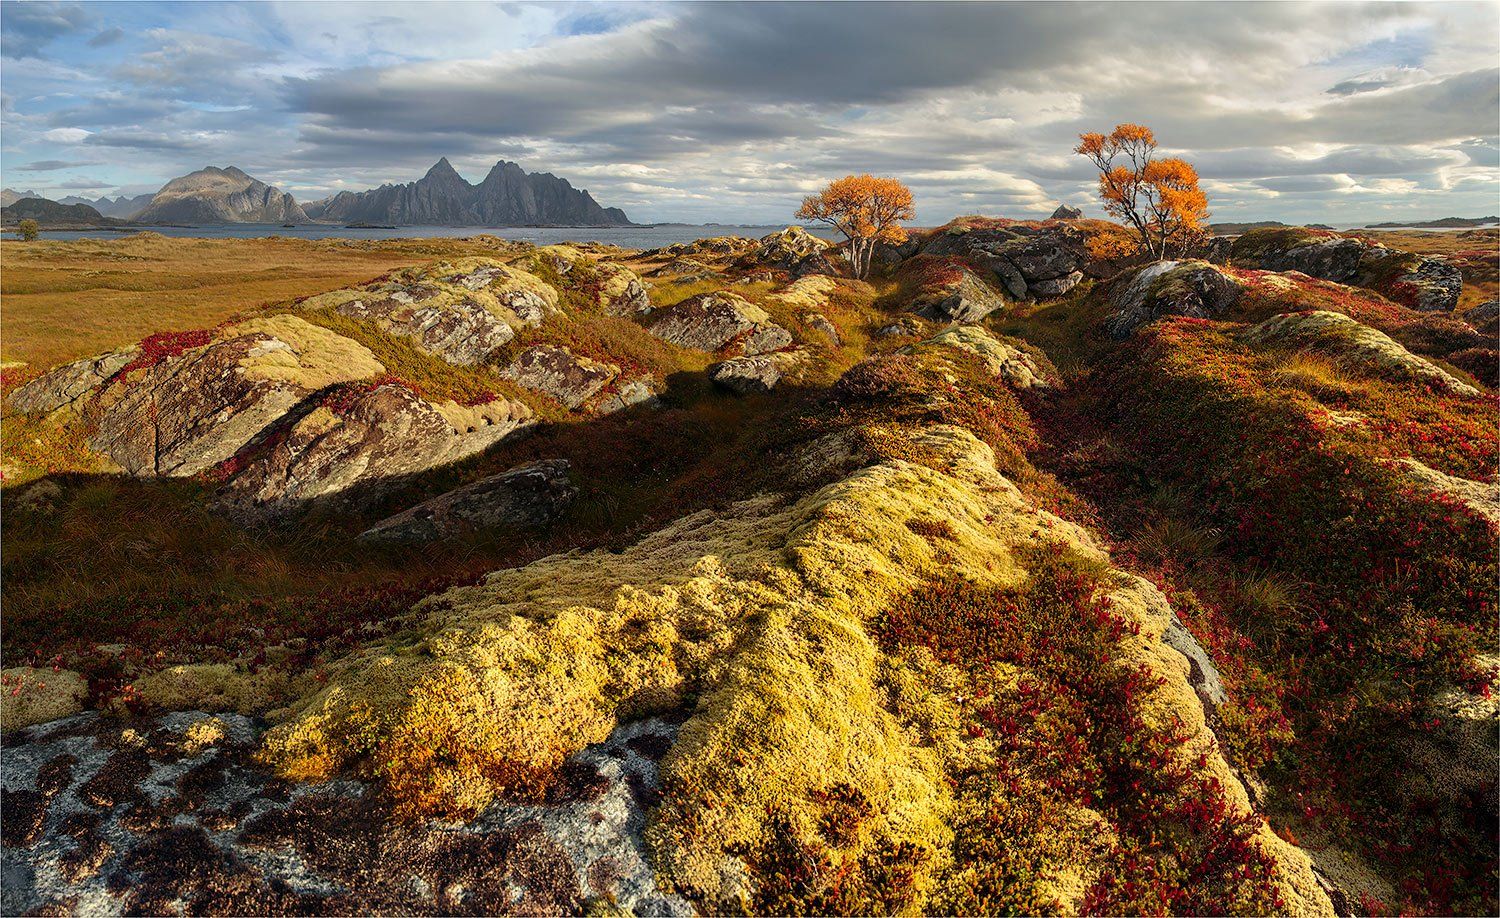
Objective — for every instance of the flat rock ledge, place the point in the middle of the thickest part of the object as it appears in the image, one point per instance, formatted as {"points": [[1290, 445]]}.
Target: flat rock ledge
{"points": [[171, 814]]}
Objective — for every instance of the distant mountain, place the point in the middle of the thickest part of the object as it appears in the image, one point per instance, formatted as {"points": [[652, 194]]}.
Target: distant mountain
{"points": [[215, 195], [9, 197], [1235, 229], [53, 214], [508, 196], [1444, 223], [122, 207]]}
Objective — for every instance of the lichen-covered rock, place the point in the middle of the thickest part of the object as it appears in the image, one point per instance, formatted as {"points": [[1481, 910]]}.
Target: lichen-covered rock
{"points": [[793, 249], [823, 326], [1195, 289], [1342, 335], [959, 296], [1055, 287], [627, 393], [721, 321], [462, 311], [172, 814], [527, 495], [1035, 261], [1484, 314], [1428, 283], [367, 438], [620, 291], [1005, 361], [682, 268], [462, 332], [711, 247], [744, 375], [810, 292], [560, 374], [65, 385], [196, 408]]}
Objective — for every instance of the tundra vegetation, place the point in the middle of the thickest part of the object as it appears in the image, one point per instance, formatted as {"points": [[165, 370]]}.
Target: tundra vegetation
{"points": [[995, 570]]}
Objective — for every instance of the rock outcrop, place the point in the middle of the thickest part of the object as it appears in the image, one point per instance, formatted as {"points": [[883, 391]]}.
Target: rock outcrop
{"points": [[508, 196], [955, 294], [215, 195], [793, 249], [462, 311], [765, 598], [371, 438], [528, 495], [746, 375], [719, 321], [1427, 283], [178, 414], [65, 385], [560, 374], [1003, 359], [1195, 289], [1066, 212], [1035, 261]]}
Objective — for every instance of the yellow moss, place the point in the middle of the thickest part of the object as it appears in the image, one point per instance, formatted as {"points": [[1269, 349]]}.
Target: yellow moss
{"points": [[30, 696], [466, 418], [313, 356], [757, 612], [203, 734], [215, 687], [810, 292]]}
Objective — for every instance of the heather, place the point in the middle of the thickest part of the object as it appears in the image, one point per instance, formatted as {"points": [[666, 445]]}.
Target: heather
{"points": [[979, 602]]}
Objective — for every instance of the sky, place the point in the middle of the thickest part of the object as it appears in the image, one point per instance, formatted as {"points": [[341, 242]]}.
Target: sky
{"points": [[1338, 113]]}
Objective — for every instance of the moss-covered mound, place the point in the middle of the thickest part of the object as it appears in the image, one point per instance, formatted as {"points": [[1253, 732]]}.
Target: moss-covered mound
{"points": [[842, 742]]}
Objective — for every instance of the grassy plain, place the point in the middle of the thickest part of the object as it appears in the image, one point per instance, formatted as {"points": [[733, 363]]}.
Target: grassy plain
{"points": [[65, 300]]}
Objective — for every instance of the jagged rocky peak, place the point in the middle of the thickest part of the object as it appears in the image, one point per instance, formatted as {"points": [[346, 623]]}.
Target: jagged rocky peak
{"points": [[508, 195]]}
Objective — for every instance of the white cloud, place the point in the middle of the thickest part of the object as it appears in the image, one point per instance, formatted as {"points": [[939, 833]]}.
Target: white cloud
{"points": [[66, 135]]}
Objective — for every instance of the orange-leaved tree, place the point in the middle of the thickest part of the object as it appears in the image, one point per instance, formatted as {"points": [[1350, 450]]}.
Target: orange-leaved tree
{"points": [[866, 209], [1159, 198]]}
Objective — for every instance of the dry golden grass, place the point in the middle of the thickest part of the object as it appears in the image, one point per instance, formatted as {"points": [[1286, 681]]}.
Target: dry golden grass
{"points": [[65, 300]]}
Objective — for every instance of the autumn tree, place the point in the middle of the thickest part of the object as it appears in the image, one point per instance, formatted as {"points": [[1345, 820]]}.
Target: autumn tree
{"points": [[28, 229], [1158, 198], [866, 209]]}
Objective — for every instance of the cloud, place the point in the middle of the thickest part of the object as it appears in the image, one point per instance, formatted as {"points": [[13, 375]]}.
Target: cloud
{"points": [[27, 28], [733, 111], [52, 165], [107, 37], [66, 135]]}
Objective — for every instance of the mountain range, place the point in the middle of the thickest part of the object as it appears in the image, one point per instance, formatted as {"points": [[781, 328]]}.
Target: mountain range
{"points": [[123, 207], [507, 196]]}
